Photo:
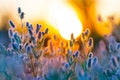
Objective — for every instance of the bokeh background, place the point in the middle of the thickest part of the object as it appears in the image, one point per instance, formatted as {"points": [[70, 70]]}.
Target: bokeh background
{"points": [[101, 16]]}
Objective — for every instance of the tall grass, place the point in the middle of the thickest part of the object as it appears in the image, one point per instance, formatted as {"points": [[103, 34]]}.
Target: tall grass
{"points": [[28, 59]]}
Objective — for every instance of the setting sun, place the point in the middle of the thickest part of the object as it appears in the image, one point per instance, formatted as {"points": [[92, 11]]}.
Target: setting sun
{"points": [[64, 18]]}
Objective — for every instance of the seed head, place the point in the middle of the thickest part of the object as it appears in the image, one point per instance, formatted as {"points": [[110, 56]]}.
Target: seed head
{"points": [[43, 33], [71, 43], [27, 24], [12, 40], [15, 46], [20, 46], [39, 35], [19, 10], [30, 32], [38, 28], [76, 54], [72, 36], [22, 15], [30, 27], [90, 42], [33, 40], [90, 55], [87, 32], [26, 44], [66, 65], [114, 61], [10, 33], [109, 72], [83, 36], [95, 61], [89, 63], [17, 38], [12, 24], [46, 31], [28, 49], [118, 46]]}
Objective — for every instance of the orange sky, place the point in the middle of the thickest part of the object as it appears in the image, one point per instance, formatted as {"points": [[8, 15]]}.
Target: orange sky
{"points": [[37, 9], [33, 7]]}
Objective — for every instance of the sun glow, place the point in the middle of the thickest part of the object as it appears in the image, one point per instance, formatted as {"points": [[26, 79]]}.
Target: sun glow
{"points": [[64, 18], [56, 13]]}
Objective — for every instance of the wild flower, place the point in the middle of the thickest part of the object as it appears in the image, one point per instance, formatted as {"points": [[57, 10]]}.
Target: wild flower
{"points": [[46, 31], [30, 32], [11, 24], [39, 35], [20, 46], [90, 55], [90, 42], [76, 54], [95, 61], [22, 15], [28, 49], [10, 33], [118, 46], [27, 24], [38, 28], [66, 65], [72, 36], [43, 33], [71, 43], [15, 46], [19, 10], [114, 61], [89, 63], [87, 32], [17, 38]]}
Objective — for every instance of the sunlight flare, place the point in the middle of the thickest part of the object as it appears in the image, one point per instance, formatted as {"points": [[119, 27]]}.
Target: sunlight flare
{"points": [[65, 19]]}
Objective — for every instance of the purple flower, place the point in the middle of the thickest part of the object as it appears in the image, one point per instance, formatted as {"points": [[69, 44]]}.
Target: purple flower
{"points": [[90, 42], [12, 40], [89, 63], [30, 32], [83, 36], [10, 33], [19, 10], [39, 35], [30, 27], [20, 46], [12, 24], [43, 33], [66, 65], [87, 31], [90, 55], [15, 46], [71, 43], [27, 24], [114, 61], [72, 36], [95, 60], [46, 31], [22, 15], [28, 49], [26, 44], [38, 28], [76, 54]]}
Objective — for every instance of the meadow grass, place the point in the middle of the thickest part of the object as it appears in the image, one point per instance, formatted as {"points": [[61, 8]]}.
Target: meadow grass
{"points": [[27, 57]]}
